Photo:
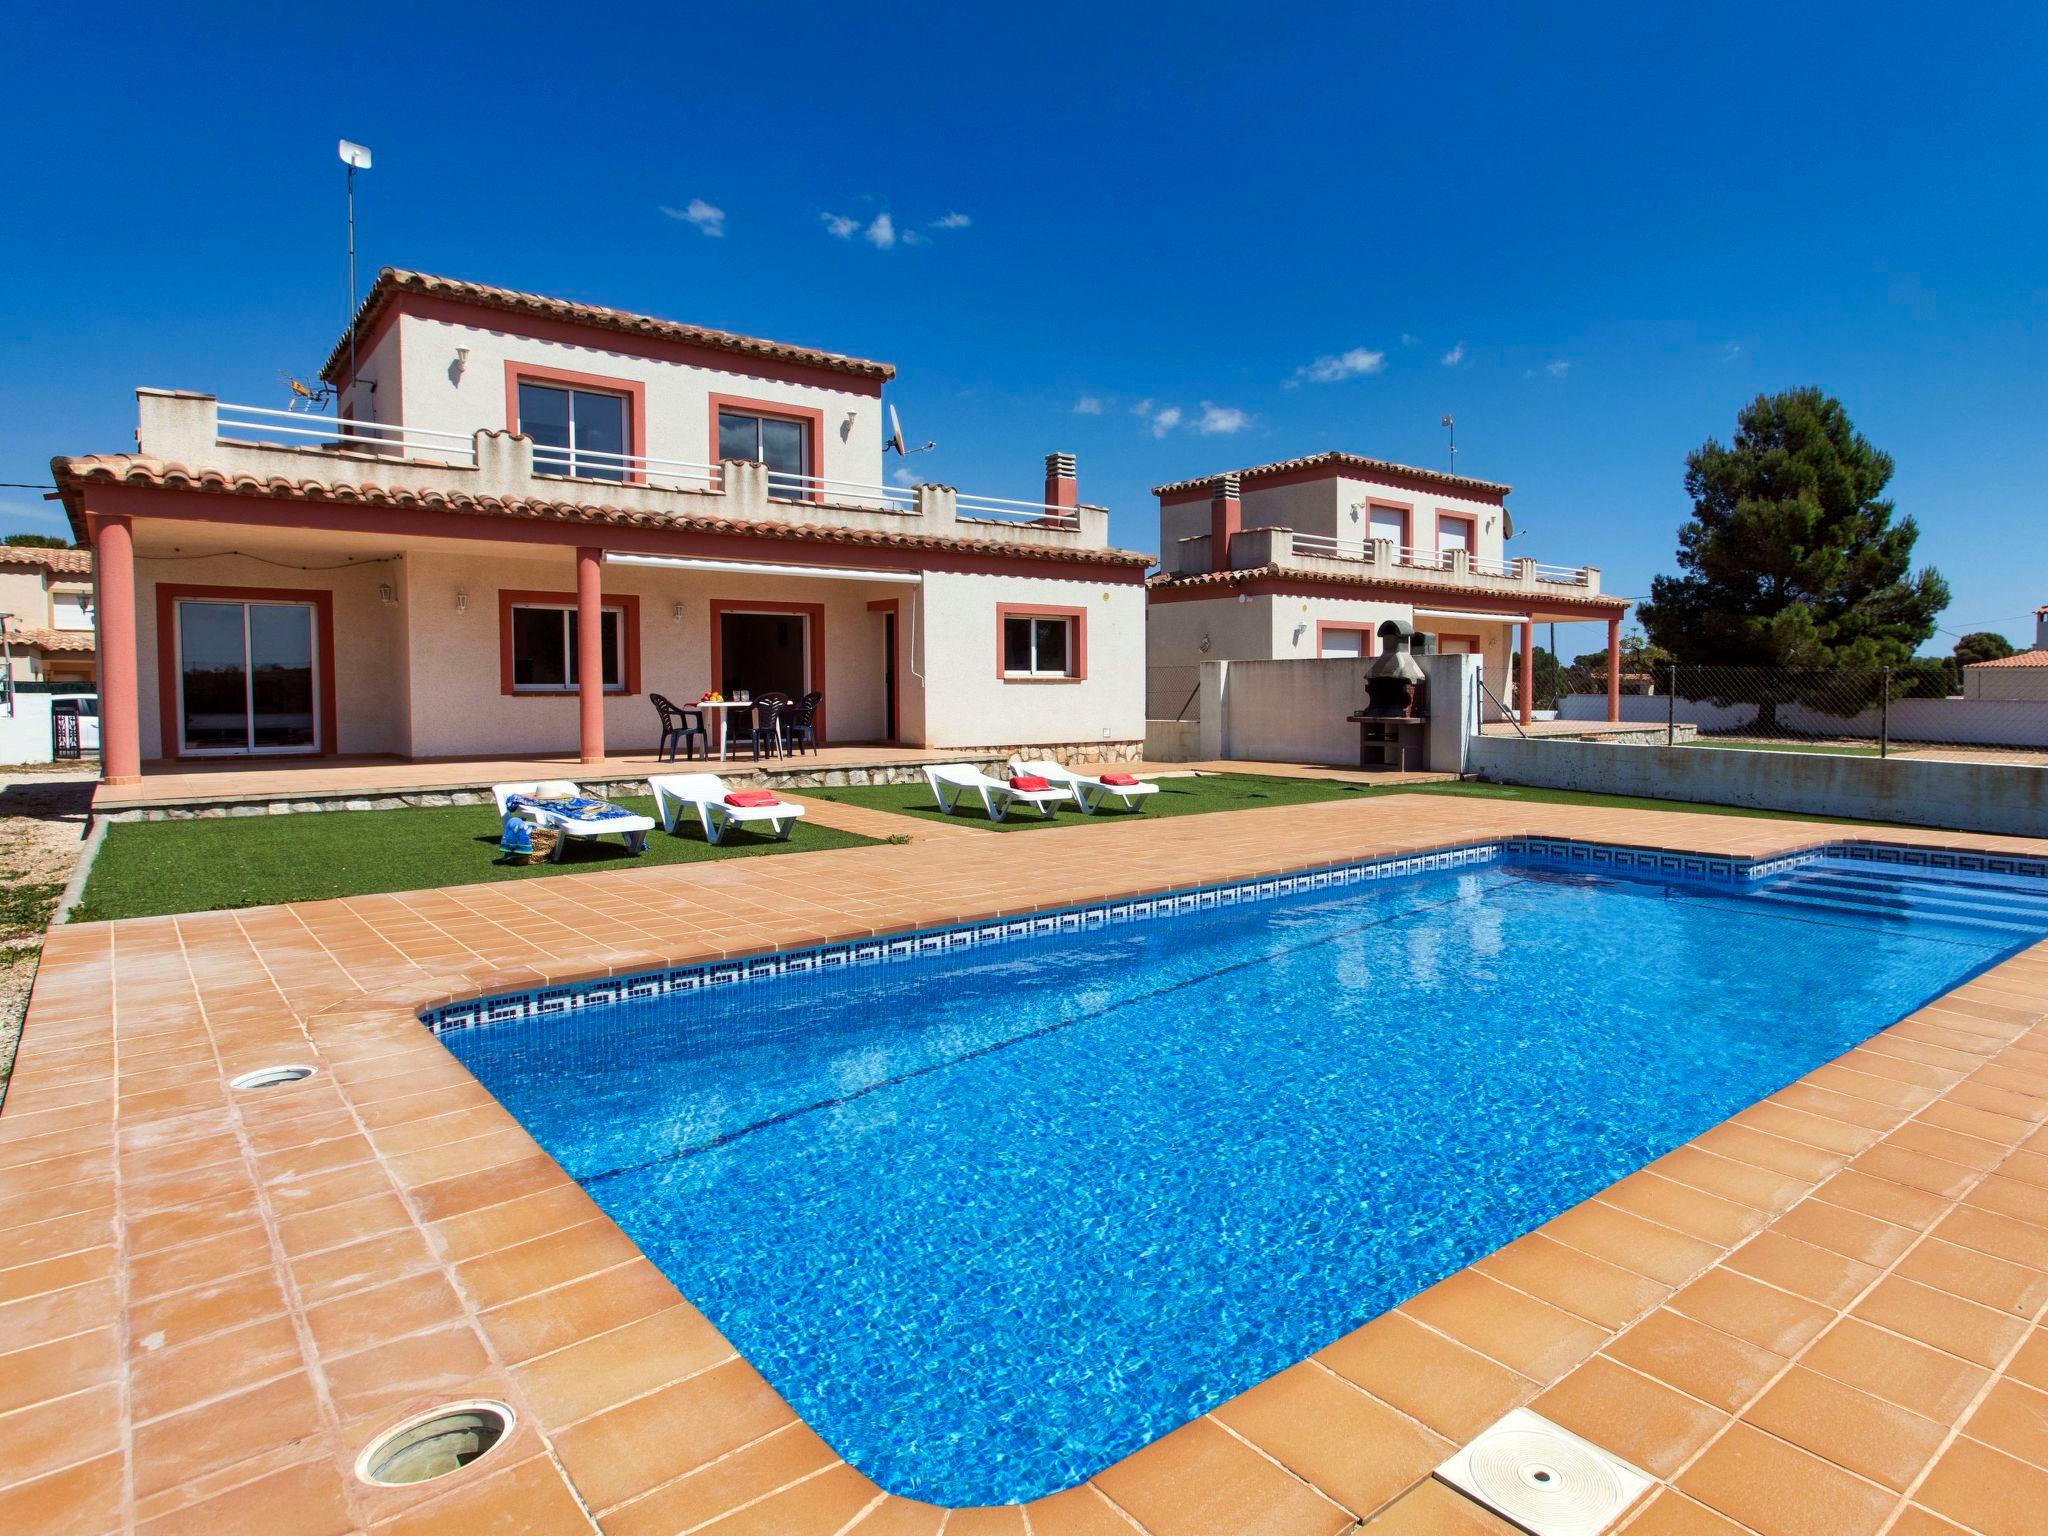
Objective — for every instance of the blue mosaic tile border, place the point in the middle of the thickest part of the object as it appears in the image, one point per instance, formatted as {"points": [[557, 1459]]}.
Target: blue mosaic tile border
{"points": [[1561, 853]]}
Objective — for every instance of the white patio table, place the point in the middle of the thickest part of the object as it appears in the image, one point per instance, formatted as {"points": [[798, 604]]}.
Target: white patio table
{"points": [[720, 711]]}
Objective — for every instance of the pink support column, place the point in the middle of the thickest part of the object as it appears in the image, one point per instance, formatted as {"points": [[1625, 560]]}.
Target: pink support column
{"points": [[1525, 686], [1614, 670], [590, 651], [120, 715]]}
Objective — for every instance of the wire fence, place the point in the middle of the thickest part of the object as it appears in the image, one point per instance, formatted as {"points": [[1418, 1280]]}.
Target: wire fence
{"points": [[1923, 710]]}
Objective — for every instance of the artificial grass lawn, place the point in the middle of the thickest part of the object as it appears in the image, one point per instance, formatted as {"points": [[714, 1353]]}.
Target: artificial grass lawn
{"points": [[146, 869], [1196, 794]]}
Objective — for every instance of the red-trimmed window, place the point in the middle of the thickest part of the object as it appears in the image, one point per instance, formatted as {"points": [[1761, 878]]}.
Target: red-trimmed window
{"points": [[538, 648], [1040, 644], [782, 443], [1455, 533], [582, 433]]}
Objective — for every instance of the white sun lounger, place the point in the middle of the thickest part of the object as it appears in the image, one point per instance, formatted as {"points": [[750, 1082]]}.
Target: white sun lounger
{"points": [[952, 783], [1090, 793], [612, 822], [704, 793]]}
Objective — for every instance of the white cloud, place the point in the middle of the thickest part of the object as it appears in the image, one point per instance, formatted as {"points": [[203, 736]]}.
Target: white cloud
{"points": [[1558, 369], [952, 221], [1353, 364], [1410, 341], [882, 233], [1165, 419], [915, 237], [1730, 350], [1455, 356], [1221, 420], [707, 217], [1088, 405], [906, 476], [839, 226]]}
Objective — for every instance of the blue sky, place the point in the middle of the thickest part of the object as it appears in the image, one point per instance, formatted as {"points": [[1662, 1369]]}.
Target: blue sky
{"points": [[1591, 233]]}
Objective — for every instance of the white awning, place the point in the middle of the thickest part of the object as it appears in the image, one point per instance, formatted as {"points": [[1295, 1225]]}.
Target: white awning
{"points": [[766, 568], [1469, 618]]}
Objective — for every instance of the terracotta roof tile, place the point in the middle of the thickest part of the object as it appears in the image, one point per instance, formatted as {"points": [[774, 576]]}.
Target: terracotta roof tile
{"points": [[1554, 596], [393, 281], [2034, 658], [67, 641], [72, 474], [70, 562], [1340, 459]]}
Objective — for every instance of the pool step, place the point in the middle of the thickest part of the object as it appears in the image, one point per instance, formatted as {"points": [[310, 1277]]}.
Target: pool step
{"points": [[1987, 904]]}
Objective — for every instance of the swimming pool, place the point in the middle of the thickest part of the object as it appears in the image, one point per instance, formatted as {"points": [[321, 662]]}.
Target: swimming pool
{"points": [[993, 1215]]}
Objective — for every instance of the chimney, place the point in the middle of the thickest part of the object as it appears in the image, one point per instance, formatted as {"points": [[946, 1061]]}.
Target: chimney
{"points": [[1226, 512], [2041, 629], [1062, 490]]}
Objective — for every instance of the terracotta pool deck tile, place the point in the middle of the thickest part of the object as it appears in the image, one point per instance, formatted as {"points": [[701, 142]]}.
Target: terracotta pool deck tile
{"points": [[176, 1450], [1915, 1376], [1203, 1481], [40, 1276], [522, 1170], [1801, 1268], [322, 1191], [339, 1271], [531, 1496], [50, 1435], [1915, 1521], [493, 1279], [1916, 1170], [2012, 1198], [1777, 1489], [1573, 1281], [369, 1317], [1980, 1277], [1986, 1490], [1809, 1098], [739, 1478], [2000, 1130], [151, 1277], [552, 1320], [1432, 1508], [312, 1490], [1082, 1511], [1793, 1159], [171, 1380], [1855, 1431], [336, 1226], [601, 1372], [1898, 1204], [1005, 1520], [650, 1440], [1971, 1152], [2030, 1362], [1448, 1388], [1717, 1368], [80, 1500], [821, 1505], [1749, 1310], [57, 1368], [1805, 1128], [1947, 1322], [1691, 1212], [180, 1317], [1609, 1233], [1737, 1180], [444, 1365], [1347, 1444], [517, 1219], [1517, 1330], [1632, 1415], [1840, 1230], [2013, 1418]]}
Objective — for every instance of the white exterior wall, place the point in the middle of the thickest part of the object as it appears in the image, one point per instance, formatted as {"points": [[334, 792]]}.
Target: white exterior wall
{"points": [[2019, 684], [439, 398], [968, 703], [1488, 543]]}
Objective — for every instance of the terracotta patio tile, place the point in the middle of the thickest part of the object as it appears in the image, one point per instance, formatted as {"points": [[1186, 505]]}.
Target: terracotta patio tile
{"points": [[1779, 1490], [2009, 1197], [493, 1227], [1352, 1447], [192, 1314], [822, 1505], [1989, 1232], [50, 1435], [171, 1380], [205, 1439], [1915, 1521], [1801, 1268], [1638, 1419], [747, 1474], [196, 1264], [1977, 1276], [58, 1368], [1687, 1210], [383, 1312], [2030, 1362], [1780, 1154], [337, 1226], [1841, 1230], [1744, 1183], [653, 1439], [1520, 1332], [1573, 1281], [1666, 1512], [1006, 1520], [908, 1517], [338, 1271], [508, 1274], [2013, 1418], [83, 1499], [1610, 1233], [529, 1496], [1078, 1512], [312, 1491], [1750, 1310], [612, 1367], [1704, 1362], [1986, 1490], [448, 1363], [1852, 1429], [1453, 1390], [1935, 1317], [1915, 1376], [1200, 1481], [1432, 1509]]}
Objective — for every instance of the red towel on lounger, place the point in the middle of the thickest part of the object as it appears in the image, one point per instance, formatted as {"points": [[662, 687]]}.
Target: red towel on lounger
{"points": [[749, 798], [1120, 780], [1029, 781]]}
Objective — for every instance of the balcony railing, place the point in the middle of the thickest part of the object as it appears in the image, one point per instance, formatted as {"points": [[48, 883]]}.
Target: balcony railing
{"points": [[623, 468], [784, 486], [1002, 510], [256, 423], [1323, 546]]}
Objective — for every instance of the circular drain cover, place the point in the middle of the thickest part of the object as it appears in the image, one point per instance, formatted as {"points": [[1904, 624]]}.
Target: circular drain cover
{"points": [[1560, 1483]]}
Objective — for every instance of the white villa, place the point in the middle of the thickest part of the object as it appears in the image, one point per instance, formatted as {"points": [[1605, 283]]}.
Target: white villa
{"points": [[529, 514]]}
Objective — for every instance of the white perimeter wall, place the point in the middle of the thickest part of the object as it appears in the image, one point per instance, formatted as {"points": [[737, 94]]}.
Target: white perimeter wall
{"points": [[1295, 711], [1973, 797], [1963, 722]]}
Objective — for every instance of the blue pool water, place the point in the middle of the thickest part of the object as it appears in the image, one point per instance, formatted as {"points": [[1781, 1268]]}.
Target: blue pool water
{"points": [[994, 1218]]}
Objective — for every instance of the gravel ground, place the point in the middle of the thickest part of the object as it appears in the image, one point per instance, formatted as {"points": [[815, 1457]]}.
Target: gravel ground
{"points": [[42, 825]]}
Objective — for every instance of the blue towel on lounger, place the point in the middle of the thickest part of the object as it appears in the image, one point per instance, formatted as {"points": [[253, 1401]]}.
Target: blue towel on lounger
{"points": [[581, 808]]}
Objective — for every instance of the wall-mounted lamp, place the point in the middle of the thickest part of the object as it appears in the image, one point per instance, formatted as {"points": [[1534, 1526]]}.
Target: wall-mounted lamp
{"points": [[461, 360], [385, 595], [1357, 510], [1204, 646], [1244, 597], [676, 613], [462, 602], [1299, 631]]}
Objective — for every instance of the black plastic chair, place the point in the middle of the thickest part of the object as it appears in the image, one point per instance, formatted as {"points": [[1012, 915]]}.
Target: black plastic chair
{"points": [[765, 730], [679, 726], [799, 729]]}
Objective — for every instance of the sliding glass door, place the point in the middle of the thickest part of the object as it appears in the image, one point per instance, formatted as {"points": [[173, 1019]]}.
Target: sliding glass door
{"points": [[245, 678]]}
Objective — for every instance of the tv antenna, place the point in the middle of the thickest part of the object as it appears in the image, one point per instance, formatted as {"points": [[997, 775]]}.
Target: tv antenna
{"points": [[896, 438], [356, 158], [305, 397], [1451, 426]]}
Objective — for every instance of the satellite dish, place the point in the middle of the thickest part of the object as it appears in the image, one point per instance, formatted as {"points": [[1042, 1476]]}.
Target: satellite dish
{"points": [[896, 437], [1507, 523], [354, 156]]}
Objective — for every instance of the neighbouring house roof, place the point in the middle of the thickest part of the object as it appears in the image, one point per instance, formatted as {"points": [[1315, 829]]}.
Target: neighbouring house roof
{"points": [[2034, 658], [67, 562], [394, 281], [72, 475], [1336, 459], [65, 641], [1548, 598]]}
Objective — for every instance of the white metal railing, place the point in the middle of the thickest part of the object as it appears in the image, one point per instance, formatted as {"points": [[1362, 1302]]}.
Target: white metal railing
{"points": [[634, 468], [784, 486], [1325, 546], [247, 423], [1484, 567], [1002, 509], [1564, 575]]}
